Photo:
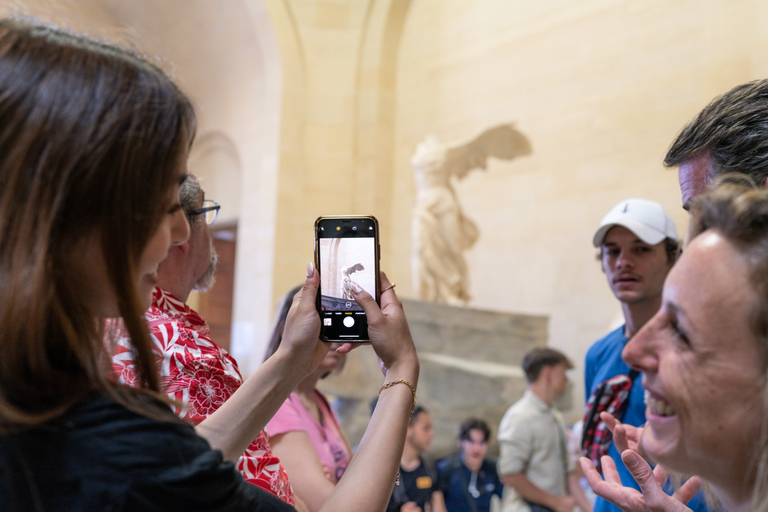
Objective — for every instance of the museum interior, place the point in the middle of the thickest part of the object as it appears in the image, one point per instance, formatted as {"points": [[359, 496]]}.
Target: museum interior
{"points": [[488, 137]]}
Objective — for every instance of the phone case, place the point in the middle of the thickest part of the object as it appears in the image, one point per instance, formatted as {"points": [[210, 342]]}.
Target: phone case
{"points": [[347, 252]]}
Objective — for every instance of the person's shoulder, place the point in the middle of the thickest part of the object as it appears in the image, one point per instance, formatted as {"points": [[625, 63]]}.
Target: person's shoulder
{"points": [[516, 420], [609, 343], [448, 463], [489, 465], [129, 436], [520, 409], [104, 443], [163, 463]]}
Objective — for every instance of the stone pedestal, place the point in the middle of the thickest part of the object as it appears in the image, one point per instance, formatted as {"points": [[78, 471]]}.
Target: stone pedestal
{"points": [[470, 366]]}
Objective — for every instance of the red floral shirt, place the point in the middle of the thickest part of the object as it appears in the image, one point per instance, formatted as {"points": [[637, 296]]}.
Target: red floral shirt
{"points": [[201, 375]]}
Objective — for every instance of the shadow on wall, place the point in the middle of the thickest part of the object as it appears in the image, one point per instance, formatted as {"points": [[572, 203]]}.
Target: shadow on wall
{"points": [[215, 160]]}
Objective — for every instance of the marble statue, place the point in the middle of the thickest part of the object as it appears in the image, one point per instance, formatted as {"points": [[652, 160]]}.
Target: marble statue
{"points": [[441, 232], [346, 279]]}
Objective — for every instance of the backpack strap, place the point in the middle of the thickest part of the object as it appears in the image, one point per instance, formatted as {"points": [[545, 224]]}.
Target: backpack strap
{"points": [[596, 438]]}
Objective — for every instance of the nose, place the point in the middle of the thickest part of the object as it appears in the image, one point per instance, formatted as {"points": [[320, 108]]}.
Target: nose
{"points": [[641, 351], [179, 227], [624, 260]]}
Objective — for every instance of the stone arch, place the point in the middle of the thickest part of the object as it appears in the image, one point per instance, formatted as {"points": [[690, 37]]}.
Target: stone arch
{"points": [[216, 161]]}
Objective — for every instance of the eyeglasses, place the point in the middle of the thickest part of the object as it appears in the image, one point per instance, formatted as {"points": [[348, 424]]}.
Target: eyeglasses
{"points": [[210, 209]]}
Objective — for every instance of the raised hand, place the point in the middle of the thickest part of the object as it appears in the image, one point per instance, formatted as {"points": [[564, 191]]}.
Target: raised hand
{"points": [[388, 329], [651, 496], [624, 436], [301, 337], [410, 507]]}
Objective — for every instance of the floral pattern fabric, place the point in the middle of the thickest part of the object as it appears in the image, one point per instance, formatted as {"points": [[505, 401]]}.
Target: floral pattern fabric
{"points": [[195, 371]]}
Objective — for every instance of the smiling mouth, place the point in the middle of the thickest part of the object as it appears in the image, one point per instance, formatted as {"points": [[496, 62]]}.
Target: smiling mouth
{"points": [[658, 406]]}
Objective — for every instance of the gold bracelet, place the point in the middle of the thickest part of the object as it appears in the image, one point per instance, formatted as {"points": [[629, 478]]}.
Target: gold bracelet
{"points": [[413, 394]]}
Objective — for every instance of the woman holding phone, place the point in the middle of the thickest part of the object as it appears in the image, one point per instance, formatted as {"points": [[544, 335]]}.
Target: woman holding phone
{"points": [[94, 142]]}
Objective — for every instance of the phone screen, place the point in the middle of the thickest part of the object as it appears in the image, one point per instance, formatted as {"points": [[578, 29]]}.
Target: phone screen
{"points": [[346, 252]]}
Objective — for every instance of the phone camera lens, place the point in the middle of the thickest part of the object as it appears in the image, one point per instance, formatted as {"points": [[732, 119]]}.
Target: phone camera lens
{"points": [[354, 228], [370, 228]]}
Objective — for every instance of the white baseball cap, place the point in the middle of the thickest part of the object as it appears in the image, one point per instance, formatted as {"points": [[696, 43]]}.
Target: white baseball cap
{"points": [[646, 219]]}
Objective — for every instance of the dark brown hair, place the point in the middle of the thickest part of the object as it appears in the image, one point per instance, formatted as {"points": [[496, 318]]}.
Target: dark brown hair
{"points": [[539, 358], [732, 131], [280, 317], [474, 424], [91, 138]]}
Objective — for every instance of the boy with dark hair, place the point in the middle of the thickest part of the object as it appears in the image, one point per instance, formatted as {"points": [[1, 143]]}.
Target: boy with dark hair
{"points": [[418, 490], [468, 480]]}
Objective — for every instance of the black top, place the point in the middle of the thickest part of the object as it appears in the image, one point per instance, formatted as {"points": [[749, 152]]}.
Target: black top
{"points": [[101, 456], [417, 486]]}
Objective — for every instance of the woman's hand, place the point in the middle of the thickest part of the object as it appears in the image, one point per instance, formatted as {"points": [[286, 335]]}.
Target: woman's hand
{"points": [[388, 329], [301, 337], [651, 496], [625, 437]]}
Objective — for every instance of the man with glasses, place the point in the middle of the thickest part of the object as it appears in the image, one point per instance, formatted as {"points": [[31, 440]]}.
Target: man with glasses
{"points": [[469, 480], [194, 370]]}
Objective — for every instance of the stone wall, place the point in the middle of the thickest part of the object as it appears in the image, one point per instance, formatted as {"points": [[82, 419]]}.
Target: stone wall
{"points": [[470, 366]]}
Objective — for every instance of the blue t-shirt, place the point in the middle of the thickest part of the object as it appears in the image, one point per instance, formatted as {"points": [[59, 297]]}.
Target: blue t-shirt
{"points": [[456, 482], [602, 362]]}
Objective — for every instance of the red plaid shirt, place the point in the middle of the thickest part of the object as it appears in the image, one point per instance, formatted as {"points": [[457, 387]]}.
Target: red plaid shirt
{"points": [[198, 373]]}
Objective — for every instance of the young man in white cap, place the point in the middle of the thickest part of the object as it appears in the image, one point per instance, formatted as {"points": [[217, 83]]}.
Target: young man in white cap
{"points": [[638, 245]]}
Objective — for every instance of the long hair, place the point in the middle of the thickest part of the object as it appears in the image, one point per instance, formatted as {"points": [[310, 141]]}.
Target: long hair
{"points": [[280, 317], [739, 211], [90, 136]]}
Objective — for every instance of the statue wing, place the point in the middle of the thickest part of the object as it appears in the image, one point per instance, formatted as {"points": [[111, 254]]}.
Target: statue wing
{"points": [[354, 268], [503, 141]]}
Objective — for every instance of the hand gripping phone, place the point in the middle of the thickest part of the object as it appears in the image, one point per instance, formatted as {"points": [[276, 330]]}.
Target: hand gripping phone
{"points": [[346, 252]]}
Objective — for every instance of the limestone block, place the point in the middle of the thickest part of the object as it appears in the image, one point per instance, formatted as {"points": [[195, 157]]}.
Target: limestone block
{"points": [[470, 366]]}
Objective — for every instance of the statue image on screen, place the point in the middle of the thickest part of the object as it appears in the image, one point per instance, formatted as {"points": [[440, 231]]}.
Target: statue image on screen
{"points": [[340, 258], [346, 280], [441, 232]]}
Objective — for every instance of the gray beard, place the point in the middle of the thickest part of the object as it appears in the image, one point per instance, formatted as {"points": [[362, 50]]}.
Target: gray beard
{"points": [[209, 278]]}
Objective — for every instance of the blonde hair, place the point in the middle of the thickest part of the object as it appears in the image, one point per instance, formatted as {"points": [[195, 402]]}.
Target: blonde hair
{"points": [[739, 211]]}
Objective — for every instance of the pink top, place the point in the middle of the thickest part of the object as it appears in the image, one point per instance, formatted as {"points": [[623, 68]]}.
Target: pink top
{"points": [[327, 438]]}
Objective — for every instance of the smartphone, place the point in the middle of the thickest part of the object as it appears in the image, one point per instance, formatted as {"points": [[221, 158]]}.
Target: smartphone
{"points": [[346, 252]]}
